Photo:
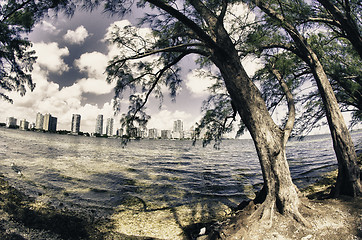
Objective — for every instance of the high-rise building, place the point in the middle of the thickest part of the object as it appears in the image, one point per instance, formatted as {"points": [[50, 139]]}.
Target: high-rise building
{"points": [[50, 123], [24, 125], [166, 134], [152, 133], [99, 125], [120, 132], [109, 128], [11, 122], [178, 129], [32, 125], [39, 121], [178, 126], [75, 123]]}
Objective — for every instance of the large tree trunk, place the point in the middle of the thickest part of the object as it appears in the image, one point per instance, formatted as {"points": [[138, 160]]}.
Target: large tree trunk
{"points": [[280, 194], [346, 23], [348, 180]]}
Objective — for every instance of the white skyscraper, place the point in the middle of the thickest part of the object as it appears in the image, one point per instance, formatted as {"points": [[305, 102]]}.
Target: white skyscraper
{"points": [[178, 129], [39, 121], [75, 123], [99, 125], [50, 123], [152, 133], [178, 126], [109, 128], [24, 125]]}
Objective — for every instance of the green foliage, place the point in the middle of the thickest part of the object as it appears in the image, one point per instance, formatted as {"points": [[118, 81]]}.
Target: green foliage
{"points": [[339, 59], [151, 62], [219, 116], [16, 60], [343, 67]]}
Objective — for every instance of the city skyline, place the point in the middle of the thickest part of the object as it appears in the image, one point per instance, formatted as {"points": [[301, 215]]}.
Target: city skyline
{"points": [[47, 122]]}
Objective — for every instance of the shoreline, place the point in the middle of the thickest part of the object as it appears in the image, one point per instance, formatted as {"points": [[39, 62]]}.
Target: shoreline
{"points": [[21, 217]]}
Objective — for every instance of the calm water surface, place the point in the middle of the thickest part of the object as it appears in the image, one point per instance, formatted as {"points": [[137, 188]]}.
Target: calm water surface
{"points": [[99, 173]]}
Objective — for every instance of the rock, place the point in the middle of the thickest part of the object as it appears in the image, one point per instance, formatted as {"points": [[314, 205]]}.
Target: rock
{"points": [[307, 237], [202, 231]]}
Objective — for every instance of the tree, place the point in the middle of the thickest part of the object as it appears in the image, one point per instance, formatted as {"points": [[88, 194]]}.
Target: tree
{"points": [[286, 16], [16, 60], [194, 27], [344, 18], [343, 68]]}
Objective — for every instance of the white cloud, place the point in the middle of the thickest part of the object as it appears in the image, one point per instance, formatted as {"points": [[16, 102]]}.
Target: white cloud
{"points": [[48, 27], [47, 97], [94, 64], [198, 82], [95, 86], [50, 57], [76, 37]]}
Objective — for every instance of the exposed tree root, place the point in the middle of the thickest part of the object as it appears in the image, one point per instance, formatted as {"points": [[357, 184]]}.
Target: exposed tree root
{"points": [[254, 219]]}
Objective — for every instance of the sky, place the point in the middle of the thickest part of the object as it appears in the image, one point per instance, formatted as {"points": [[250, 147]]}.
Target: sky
{"points": [[70, 77]]}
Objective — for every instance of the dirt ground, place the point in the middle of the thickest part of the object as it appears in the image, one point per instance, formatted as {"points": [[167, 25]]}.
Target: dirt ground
{"points": [[21, 217], [331, 219]]}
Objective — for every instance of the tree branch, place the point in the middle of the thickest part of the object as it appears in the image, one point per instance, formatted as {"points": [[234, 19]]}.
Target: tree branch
{"points": [[347, 23], [158, 77], [223, 10], [186, 21], [15, 10], [179, 48], [324, 20], [288, 127]]}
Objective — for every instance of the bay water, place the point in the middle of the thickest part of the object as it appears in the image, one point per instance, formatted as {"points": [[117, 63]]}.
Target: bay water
{"points": [[101, 174]]}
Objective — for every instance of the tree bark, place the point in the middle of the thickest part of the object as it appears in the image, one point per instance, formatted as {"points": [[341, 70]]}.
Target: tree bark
{"points": [[348, 180], [280, 193], [346, 23]]}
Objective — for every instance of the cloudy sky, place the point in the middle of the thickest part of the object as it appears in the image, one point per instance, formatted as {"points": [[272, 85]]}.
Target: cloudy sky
{"points": [[70, 77]]}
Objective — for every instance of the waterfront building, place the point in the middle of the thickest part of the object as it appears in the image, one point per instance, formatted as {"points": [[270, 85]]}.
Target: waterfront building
{"points": [[142, 133], [137, 133], [133, 132], [166, 134], [11, 122], [152, 133], [178, 126], [50, 123], [39, 121], [32, 125], [178, 129], [120, 132], [24, 125], [109, 128], [99, 125], [177, 135], [189, 134], [75, 128]]}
